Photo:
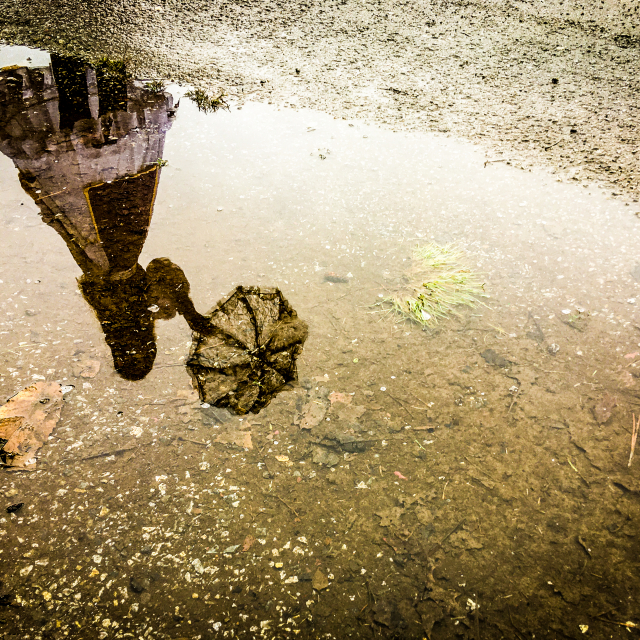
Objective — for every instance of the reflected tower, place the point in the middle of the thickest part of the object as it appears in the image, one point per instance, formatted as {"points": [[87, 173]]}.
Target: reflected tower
{"points": [[88, 142]]}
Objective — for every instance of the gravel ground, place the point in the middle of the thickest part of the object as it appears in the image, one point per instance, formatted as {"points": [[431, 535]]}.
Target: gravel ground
{"points": [[534, 83]]}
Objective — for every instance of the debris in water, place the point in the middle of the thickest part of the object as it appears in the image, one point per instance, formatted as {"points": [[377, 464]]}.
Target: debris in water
{"points": [[248, 541], [603, 409], [335, 396], [86, 368], [634, 437], [319, 581], [233, 435], [15, 507], [491, 357], [26, 421], [313, 413], [335, 278]]}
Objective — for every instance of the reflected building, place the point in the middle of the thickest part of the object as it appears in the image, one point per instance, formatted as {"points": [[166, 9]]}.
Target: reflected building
{"points": [[88, 142]]}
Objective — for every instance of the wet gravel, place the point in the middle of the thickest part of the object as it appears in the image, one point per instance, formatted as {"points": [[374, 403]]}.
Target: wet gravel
{"points": [[550, 84]]}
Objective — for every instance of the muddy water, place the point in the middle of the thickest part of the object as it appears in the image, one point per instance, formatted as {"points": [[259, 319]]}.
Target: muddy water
{"points": [[465, 481]]}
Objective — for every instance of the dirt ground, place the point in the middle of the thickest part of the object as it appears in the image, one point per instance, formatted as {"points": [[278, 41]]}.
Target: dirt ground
{"points": [[552, 84], [465, 482]]}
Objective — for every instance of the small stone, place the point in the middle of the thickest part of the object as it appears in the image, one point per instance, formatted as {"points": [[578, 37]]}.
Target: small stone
{"points": [[138, 583], [326, 457]]}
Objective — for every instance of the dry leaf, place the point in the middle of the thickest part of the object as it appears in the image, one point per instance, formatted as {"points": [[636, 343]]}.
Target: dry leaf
{"points": [[319, 581], [312, 415], [464, 540], [235, 436], [86, 368], [351, 413], [27, 420], [335, 396], [248, 541], [390, 517], [603, 409], [627, 379]]}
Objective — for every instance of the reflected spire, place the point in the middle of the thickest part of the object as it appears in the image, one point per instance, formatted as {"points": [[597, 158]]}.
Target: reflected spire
{"points": [[88, 141]]}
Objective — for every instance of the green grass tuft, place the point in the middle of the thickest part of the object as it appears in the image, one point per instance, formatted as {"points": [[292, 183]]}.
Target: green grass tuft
{"points": [[156, 86], [205, 102], [438, 282]]}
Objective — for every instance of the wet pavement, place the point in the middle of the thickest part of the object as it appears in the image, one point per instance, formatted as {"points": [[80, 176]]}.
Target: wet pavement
{"points": [[469, 480]]}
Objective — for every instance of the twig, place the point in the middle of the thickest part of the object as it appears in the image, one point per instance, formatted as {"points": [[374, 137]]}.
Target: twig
{"points": [[629, 624], [576, 470], [486, 162], [388, 543], [634, 436], [204, 444], [583, 544], [480, 470], [401, 405], [554, 144], [451, 532], [49, 195], [518, 632], [272, 495], [109, 453]]}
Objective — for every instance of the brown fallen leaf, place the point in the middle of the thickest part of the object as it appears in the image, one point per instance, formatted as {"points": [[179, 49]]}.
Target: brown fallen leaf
{"points": [[390, 517], [351, 413], [235, 436], [248, 541], [627, 379], [86, 368], [26, 421], [312, 414], [319, 581], [336, 396], [604, 408]]}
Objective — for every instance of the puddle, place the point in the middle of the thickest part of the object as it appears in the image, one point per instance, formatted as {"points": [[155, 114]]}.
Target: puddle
{"points": [[401, 474]]}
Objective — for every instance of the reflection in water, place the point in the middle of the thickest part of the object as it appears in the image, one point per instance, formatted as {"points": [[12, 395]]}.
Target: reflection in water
{"points": [[88, 141], [250, 350]]}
